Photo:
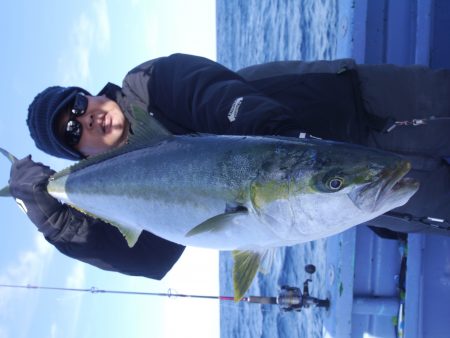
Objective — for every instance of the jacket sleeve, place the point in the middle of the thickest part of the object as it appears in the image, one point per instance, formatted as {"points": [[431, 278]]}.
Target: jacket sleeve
{"points": [[200, 95], [82, 237]]}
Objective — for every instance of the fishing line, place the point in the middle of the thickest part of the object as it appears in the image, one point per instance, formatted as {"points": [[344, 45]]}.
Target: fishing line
{"points": [[289, 299], [226, 301]]}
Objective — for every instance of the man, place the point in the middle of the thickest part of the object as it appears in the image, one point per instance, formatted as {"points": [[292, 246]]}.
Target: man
{"points": [[186, 94]]}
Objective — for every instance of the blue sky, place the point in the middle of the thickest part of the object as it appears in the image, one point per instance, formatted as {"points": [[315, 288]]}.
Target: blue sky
{"points": [[88, 43]]}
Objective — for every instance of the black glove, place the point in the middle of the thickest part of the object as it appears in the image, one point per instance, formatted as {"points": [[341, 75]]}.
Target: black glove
{"points": [[28, 185], [26, 176]]}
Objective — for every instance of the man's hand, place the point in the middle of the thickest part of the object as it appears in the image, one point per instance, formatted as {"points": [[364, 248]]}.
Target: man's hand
{"points": [[28, 177], [28, 185]]}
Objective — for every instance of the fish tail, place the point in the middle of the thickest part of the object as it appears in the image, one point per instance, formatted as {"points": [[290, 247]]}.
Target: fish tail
{"points": [[5, 192]]}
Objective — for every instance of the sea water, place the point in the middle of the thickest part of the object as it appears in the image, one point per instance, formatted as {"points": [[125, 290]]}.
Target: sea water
{"points": [[257, 31]]}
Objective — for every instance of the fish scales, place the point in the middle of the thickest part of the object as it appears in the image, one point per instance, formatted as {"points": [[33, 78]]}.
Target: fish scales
{"points": [[172, 187]]}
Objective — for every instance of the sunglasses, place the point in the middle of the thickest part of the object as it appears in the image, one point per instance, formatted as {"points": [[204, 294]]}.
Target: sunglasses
{"points": [[74, 128]]}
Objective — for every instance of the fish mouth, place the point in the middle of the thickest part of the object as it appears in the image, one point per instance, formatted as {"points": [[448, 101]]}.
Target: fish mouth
{"points": [[392, 190]]}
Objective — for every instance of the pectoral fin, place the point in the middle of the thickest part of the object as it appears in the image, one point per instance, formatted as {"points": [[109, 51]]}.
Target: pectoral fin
{"points": [[246, 265], [217, 223], [145, 128]]}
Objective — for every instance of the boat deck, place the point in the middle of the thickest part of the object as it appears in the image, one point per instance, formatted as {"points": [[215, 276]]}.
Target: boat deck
{"points": [[364, 269]]}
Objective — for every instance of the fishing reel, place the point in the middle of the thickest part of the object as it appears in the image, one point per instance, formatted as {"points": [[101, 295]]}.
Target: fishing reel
{"points": [[291, 298]]}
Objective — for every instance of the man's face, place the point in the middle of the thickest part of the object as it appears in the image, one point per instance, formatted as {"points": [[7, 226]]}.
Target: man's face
{"points": [[103, 126]]}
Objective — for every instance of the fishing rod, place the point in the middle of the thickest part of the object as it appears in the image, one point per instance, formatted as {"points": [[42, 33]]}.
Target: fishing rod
{"points": [[96, 290], [290, 298]]}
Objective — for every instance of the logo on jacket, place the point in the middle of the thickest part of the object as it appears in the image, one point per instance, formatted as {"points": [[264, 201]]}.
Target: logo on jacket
{"points": [[234, 109], [22, 205]]}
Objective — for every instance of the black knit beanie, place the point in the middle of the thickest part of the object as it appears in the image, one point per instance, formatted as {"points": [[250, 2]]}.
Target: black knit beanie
{"points": [[42, 115]]}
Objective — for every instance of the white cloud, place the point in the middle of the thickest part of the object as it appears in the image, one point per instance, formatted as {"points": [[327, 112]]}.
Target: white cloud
{"points": [[151, 39], [135, 3], [90, 33], [192, 34], [28, 269], [54, 330], [197, 273], [76, 278], [29, 266], [204, 262], [43, 247], [103, 31]]}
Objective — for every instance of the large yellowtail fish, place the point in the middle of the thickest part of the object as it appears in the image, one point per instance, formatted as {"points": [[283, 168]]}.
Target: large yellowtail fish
{"points": [[246, 194]]}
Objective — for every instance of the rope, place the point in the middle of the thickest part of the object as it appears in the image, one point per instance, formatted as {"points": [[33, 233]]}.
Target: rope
{"points": [[416, 122], [433, 222]]}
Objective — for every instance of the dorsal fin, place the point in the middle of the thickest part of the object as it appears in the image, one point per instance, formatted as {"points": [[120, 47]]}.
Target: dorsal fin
{"points": [[145, 128]]}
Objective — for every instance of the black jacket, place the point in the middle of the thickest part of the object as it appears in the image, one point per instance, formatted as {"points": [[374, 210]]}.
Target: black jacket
{"points": [[190, 94], [193, 94]]}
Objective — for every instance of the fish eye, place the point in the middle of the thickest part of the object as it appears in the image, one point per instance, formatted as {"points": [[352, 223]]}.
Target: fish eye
{"points": [[335, 183]]}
